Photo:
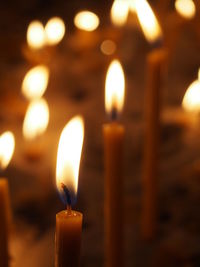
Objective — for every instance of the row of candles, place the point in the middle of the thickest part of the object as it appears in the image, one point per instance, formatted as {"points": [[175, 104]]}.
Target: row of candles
{"points": [[69, 222]]}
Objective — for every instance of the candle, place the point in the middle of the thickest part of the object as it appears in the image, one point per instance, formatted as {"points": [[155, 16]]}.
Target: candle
{"points": [[185, 8], [35, 35], [191, 102], [54, 31], [35, 123], [86, 36], [5, 220], [34, 50], [7, 144], [35, 82], [113, 133], [119, 12], [69, 222], [155, 62]]}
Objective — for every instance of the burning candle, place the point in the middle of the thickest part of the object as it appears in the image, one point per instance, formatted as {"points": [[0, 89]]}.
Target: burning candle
{"points": [[86, 23], [191, 101], [69, 222], [119, 12], [54, 31], [113, 133], [7, 145], [35, 123], [35, 82], [35, 35], [155, 62], [185, 8]]}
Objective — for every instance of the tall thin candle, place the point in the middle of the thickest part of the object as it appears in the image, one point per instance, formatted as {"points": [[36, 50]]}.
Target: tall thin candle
{"points": [[155, 61], [113, 133], [69, 222]]}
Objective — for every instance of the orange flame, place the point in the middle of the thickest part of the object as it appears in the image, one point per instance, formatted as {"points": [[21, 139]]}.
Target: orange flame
{"points": [[148, 21], [114, 87], [7, 146], [69, 154], [86, 20]]}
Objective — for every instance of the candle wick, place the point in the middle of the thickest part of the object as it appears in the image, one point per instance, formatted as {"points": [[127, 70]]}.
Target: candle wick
{"points": [[67, 195], [69, 209], [114, 114]]}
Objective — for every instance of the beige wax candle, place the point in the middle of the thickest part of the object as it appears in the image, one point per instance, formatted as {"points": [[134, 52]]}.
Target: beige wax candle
{"points": [[113, 159], [69, 222], [113, 134], [155, 63], [68, 238], [5, 220]]}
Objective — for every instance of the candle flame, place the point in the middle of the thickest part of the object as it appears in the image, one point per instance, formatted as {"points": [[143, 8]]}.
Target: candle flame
{"points": [[7, 146], [68, 157], [114, 88], [86, 20], [186, 8], [191, 100], [36, 119], [148, 21], [132, 6], [54, 31], [35, 35], [35, 82], [119, 12]]}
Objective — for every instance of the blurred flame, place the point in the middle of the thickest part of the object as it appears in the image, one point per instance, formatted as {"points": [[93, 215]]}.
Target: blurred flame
{"points": [[69, 155], [54, 31], [119, 12], [86, 20], [36, 119], [132, 6], [114, 87], [199, 74], [7, 145], [108, 47], [35, 82], [35, 35], [186, 8], [191, 100], [148, 21]]}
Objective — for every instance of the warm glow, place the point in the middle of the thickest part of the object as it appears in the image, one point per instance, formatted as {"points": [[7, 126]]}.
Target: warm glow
{"points": [[108, 47], [69, 155], [114, 87], [54, 31], [35, 82], [119, 12], [191, 100], [35, 35], [36, 119], [186, 8], [148, 21], [7, 145], [86, 20], [132, 6]]}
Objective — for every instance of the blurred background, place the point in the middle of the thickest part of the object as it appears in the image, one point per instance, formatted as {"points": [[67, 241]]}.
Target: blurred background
{"points": [[77, 68]]}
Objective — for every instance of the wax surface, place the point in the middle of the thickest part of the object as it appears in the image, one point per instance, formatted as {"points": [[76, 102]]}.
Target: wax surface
{"points": [[155, 64], [68, 238], [5, 219], [113, 149]]}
